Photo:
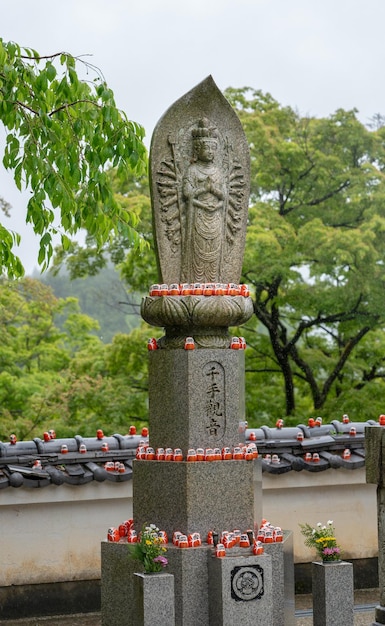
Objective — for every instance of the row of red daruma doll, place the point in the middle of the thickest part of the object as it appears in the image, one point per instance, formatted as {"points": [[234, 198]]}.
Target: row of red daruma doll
{"points": [[236, 343], [200, 289], [267, 533], [242, 452]]}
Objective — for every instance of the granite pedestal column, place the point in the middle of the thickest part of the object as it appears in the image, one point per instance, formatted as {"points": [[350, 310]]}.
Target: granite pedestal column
{"points": [[375, 473]]}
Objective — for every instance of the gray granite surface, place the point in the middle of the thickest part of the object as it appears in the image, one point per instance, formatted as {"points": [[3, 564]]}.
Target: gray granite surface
{"points": [[333, 595], [196, 398], [194, 497], [241, 591], [117, 569], [153, 597], [191, 584], [283, 580]]}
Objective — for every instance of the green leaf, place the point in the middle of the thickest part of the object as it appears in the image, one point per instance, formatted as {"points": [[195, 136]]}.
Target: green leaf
{"points": [[51, 71]]}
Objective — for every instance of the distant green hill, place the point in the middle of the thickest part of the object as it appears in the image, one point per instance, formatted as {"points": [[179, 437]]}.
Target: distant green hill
{"points": [[103, 297]]}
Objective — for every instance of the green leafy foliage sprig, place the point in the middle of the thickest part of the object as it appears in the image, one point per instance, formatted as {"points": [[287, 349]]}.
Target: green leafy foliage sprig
{"points": [[64, 133]]}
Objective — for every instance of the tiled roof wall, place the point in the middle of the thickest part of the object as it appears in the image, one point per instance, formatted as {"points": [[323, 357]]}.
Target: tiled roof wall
{"points": [[78, 460]]}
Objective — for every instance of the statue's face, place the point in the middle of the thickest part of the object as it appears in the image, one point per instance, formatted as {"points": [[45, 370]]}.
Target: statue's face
{"points": [[206, 150]]}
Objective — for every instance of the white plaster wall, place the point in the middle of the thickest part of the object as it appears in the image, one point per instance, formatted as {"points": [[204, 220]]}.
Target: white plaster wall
{"points": [[339, 495], [54, 534]]}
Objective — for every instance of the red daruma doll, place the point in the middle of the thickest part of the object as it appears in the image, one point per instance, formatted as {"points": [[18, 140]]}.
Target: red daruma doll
{"points": [[160, 454], [220, 550], [200, 454], [189, 343], [177, 455], [163, 535], [244, 541], [191, 455], [113, 534], [194, 540], [226, 454], [257, 548]]}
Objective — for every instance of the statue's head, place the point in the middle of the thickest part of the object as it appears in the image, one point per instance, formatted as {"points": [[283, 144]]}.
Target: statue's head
{"points": [[205, 141]]}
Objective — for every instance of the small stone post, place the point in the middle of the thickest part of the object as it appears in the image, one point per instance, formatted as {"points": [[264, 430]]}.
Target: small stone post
{"points": [[375, 473], [333, 593], [154, 599]]}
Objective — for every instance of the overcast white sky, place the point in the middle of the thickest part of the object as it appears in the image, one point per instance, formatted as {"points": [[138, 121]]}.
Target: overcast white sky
{"points": [[315, 55]]}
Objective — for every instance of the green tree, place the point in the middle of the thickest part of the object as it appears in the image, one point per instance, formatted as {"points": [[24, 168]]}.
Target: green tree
{"points": [[314, 260], [104, 386], [315, 243], [34, 351], [63, 134], [65, 378], [137, 267]]}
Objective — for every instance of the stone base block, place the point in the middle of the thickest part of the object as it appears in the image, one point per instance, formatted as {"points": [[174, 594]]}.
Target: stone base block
{"points": [[153, 599], [379, 616], [189, 567], [194, 497], [333, 593], [283, 580], [117, 569], [241, 591], [196, 398]]}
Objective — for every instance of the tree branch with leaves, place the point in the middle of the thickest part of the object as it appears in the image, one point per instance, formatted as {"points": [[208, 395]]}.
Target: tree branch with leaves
{"points": [[63, 135]]}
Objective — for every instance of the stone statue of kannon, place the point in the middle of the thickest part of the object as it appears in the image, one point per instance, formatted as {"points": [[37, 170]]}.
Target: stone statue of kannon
{"points": [[199, 179]]}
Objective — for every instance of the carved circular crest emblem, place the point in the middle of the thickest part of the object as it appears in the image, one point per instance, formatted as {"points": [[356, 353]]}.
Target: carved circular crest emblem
{"points": [[247, 583]]}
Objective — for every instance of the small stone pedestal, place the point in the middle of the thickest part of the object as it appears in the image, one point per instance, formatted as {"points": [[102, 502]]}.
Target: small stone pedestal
{"points": [[379, 616], [282, 562], [153, 599], [375, 474], [117, 578], [241, 591], [333, 593]]}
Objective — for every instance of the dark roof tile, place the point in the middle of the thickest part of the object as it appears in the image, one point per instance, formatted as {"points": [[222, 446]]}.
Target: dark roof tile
{"points": [[78, 467]]}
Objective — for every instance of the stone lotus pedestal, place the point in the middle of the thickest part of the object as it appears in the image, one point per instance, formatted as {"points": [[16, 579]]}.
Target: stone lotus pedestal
{"points": [[333, 593], [153, 598]]}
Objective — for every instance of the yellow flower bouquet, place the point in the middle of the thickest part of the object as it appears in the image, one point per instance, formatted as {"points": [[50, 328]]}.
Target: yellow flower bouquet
{"points": [[323, 539], [149, 549]]}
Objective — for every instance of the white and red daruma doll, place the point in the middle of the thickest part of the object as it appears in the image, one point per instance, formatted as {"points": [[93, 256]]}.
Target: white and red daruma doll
{"points": [[113, 534]]}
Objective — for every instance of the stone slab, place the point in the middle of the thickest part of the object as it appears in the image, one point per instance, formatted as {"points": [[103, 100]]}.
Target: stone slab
{"points": [[379, 616], [257, 478], [283, 580], [241, 591], [117, 569], [196, 398], [374, 454], [333, 593], [189, 567], [194, 497], [153, 599]]}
